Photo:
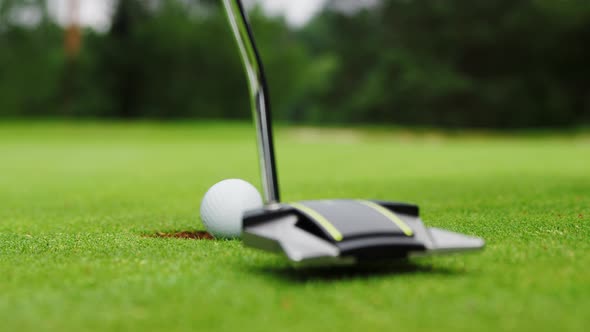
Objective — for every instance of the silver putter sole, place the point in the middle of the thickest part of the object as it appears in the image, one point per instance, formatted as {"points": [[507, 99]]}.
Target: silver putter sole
{"points": [[327, 231]]}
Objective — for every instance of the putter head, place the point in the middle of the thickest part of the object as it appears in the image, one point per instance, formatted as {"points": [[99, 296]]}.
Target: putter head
{"points": [[348, 232]]}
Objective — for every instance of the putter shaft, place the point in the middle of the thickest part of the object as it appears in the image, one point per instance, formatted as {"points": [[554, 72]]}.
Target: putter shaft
{"points": [[259, 97]]}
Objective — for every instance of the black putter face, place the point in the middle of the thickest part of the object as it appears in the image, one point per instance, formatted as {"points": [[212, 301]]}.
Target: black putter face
{"points": [[348, 231]]}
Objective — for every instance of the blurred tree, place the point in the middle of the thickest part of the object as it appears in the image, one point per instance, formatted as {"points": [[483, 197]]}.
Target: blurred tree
{"points": [[178, 59], [296, 76], [456, 63], [30, 66], [73, 35], [448, 63]]}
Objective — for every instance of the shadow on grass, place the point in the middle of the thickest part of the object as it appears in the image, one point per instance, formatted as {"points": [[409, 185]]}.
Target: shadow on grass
{"points": [[346, 273]]}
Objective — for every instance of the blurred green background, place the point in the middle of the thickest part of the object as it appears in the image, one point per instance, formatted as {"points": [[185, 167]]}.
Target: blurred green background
{"points": [[432, 63]]}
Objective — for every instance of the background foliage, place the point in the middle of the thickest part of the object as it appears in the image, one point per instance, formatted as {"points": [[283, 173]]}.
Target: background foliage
{"points": [[451, 63]]}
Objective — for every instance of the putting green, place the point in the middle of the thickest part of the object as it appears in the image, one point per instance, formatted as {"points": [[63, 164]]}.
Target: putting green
{"points": [[77, 201]]}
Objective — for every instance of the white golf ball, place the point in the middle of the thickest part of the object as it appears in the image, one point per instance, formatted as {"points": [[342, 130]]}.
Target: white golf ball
{"points": [[224, 204]]}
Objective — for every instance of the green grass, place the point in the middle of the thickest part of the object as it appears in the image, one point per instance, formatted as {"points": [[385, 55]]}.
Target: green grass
{"points": [[76, 201]]}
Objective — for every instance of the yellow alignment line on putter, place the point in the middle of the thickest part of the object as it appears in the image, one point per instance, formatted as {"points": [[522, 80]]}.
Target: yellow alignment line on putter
{"points": [[389, 215], [319, 218]]}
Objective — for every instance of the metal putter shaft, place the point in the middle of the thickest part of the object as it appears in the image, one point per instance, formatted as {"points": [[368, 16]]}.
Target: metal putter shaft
{"points": [[259, 97], [326, 231]]}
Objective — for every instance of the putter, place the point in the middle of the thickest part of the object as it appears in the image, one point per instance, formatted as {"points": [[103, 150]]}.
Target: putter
{"points": [[326, 231]]}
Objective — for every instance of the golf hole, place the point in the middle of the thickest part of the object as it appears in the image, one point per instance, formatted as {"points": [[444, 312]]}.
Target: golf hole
{"points": [[189, 235]]}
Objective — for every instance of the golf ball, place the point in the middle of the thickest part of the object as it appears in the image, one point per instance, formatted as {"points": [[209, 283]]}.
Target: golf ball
{"points": [[224, 204]]}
